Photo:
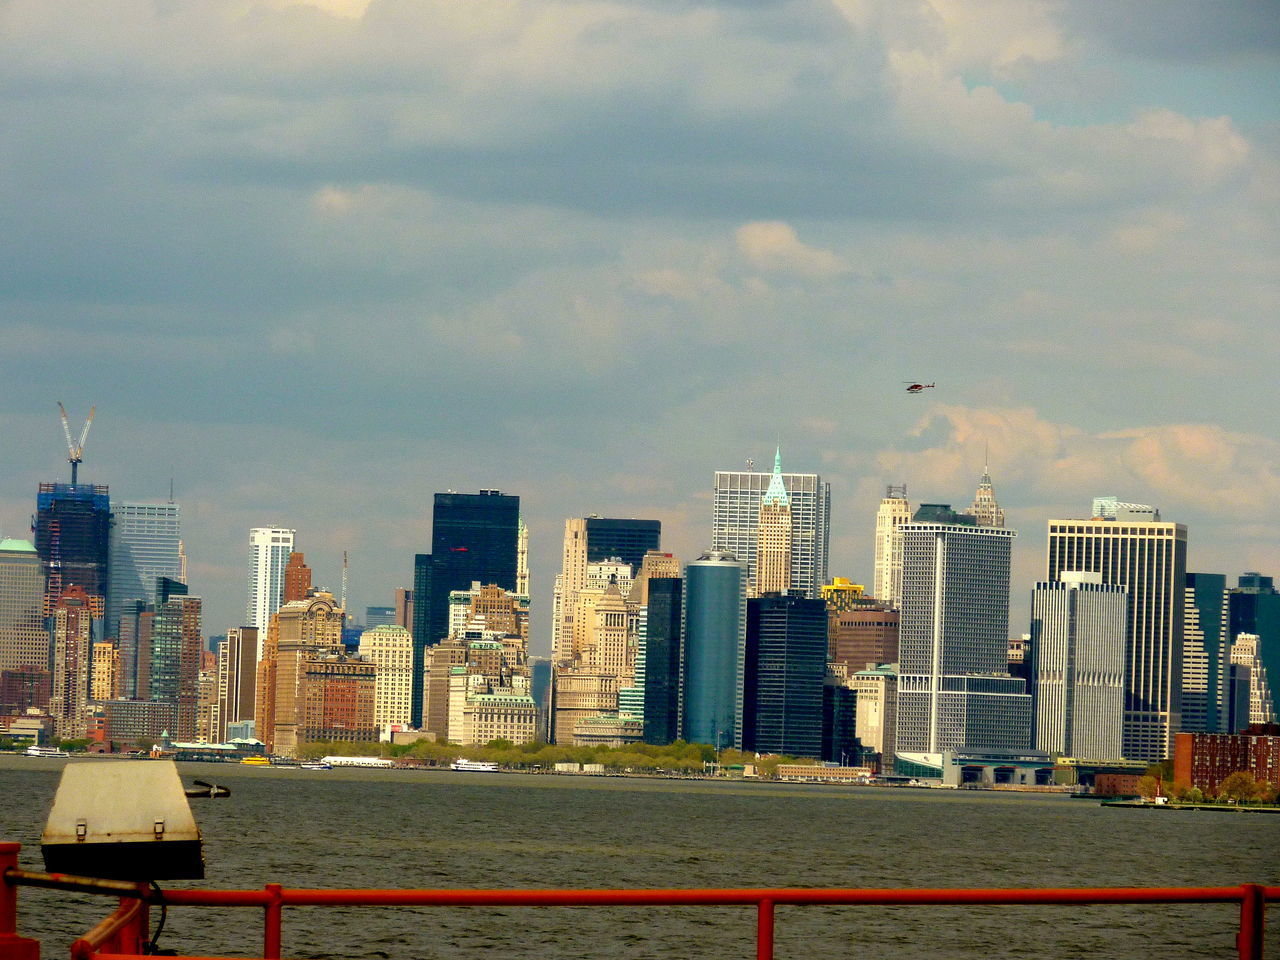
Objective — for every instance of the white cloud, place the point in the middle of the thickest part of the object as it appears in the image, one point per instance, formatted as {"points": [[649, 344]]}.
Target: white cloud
{"points": [[773, 246]]}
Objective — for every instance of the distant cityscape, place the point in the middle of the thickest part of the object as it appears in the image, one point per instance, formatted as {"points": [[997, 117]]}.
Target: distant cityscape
{"points": [[752, 646]]}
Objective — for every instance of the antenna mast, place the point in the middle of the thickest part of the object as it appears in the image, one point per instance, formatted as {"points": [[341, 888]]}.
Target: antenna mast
{"points": [[344, 582], [75, 451]]}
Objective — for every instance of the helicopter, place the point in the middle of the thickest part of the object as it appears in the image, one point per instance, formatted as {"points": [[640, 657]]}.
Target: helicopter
{"points": [[917, 387]]}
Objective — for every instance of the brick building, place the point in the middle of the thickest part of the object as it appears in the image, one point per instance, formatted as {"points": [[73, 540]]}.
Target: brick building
{"points": [[1204, 760]]}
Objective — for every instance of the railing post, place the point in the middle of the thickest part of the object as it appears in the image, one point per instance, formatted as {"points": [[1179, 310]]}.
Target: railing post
{"points": [[12, 946], [1252, 921], [764, 930], [132, 939], [271, 923]]}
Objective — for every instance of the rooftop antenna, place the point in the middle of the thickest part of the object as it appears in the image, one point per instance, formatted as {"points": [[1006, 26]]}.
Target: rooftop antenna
{"points": [[751, 465], [344, 582], [75, 451], [171, 486]]}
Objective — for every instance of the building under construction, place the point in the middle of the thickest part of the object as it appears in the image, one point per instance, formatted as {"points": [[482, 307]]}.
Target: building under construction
{"points": [[72, 529]]}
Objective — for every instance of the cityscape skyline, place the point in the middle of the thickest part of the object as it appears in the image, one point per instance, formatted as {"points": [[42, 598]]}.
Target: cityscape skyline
{"points": [[1028, 552], [1064, 219]]}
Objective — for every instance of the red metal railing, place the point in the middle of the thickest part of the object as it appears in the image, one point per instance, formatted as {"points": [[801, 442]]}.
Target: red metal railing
{"points": [[123, 935]]}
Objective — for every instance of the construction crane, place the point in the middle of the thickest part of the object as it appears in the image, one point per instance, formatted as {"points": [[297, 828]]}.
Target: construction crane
{"points": [[75, 450]]}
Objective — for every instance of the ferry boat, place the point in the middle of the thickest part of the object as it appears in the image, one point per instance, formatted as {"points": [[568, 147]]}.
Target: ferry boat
{"points": [[35, 750], [256, 762], [315, 765], [474, 766]]}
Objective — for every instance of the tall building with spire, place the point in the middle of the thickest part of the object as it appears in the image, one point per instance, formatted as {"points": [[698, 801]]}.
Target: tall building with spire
{"points": [[773, 537], [735, 526], [894, 511], [985, 509]]}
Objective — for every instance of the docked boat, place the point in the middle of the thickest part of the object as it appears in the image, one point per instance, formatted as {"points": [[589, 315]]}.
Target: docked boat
{"points": [[315, 765], [49, 752], [474, 766], [256, 762]]}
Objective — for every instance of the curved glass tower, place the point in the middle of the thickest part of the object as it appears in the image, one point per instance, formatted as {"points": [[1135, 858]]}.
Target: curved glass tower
{"points": [[715, 631]]}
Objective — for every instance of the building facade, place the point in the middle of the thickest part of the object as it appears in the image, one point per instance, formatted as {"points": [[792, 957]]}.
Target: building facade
{"points": [[24, 641], [145, 543], [1150, 558], [954, 690], [236, 680], [269, 550], [176, 646], [1205, 653], [714, 632], [785, 669], [893, 512], [390, 649], [1077, 666], [735, 530], [1204, 760]]}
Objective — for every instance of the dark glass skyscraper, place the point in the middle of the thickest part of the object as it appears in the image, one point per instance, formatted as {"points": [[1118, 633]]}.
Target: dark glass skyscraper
{"points": [[473, 538], [73, 525], [714, 632], [628, 540], [662, 655], [1254, 607], [786, 666]]}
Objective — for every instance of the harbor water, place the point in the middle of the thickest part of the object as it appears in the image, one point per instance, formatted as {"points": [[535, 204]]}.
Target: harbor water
{"points": [[388, 828]]}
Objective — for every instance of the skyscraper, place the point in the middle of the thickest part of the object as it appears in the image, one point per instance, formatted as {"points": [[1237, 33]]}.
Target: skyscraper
{"points": [[71, 639], [24, 641], [785, 667], [954, 690], [269, 549], [593, 540], [894, 511], [297, 578], [237, 669], [714, 631], [474, 537], [773, 538], [145, 543], [985, 509], [1254, 608], [735, 529], [663, 649], [390, 649], [1077, 665], [73, 523], [1205, 653], [176, 646], [1150, 558]]}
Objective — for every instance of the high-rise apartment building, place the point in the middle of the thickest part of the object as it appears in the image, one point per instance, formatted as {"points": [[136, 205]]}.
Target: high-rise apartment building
{"points": [[297, 578], [773, 537], [474, 537], [784, 671], [71, 640], [24, 641], [735, 529], [237, 671], [1077, 665], [714, 632], [390, 649], [73, 523], [145, 543], [1130, 549], [269, 550], [954, 690], [176, 647], [1205, 653], [894, 511]]}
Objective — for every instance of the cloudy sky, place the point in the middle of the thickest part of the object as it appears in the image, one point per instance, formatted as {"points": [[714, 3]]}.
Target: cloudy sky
{"points": [[317, 260]]}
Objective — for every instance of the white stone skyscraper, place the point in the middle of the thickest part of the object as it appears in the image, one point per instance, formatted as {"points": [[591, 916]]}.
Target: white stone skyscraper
{"points": [[735, 527], [773, 539], [145, 542], [1130, 546], [1077, 665], [269, 549], [894, 511], [954, 689]]}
